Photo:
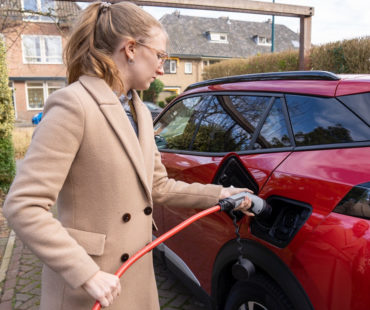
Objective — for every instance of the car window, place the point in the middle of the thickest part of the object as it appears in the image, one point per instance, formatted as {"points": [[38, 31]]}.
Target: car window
{"points": [[360, 104], [317, 120], [274, 132], [217, 131], [251, 108], [175, 129]]}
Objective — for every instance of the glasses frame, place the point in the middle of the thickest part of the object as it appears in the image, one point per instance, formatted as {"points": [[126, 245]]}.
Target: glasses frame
{"points": [[161, 55]]}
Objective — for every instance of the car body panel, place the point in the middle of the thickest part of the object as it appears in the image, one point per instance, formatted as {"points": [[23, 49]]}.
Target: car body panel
{"points": [[324, 88], [330, 254], [353, 86], [188, 168]]}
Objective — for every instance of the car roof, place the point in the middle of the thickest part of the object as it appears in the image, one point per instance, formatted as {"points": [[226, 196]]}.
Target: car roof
{"points": [[320, 83]]}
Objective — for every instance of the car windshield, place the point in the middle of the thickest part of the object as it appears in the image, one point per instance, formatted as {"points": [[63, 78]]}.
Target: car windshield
{"points": [[152, 107]]}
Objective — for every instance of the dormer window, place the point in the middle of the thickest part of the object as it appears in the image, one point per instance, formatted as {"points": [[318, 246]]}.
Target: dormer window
{"points": [[217, 37], [259, 40]]}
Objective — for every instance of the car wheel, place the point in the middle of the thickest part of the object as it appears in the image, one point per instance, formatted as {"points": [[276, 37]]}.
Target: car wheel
{"points": [[257, 293]]}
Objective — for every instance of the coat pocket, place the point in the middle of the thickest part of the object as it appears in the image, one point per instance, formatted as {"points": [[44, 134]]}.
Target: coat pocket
{"points": [[92, 242]]}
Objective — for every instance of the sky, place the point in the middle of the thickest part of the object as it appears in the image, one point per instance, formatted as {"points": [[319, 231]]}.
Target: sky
{"points": [[333, 20]]}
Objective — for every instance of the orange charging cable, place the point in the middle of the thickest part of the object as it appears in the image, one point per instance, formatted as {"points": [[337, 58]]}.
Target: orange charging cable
{"points": [[158, 241]]}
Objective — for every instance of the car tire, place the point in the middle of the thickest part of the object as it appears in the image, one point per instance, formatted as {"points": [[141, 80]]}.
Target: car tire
{"points": [[257, 293]]}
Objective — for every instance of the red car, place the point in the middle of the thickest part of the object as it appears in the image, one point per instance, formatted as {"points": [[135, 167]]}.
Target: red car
{"points": [[300, 140]]}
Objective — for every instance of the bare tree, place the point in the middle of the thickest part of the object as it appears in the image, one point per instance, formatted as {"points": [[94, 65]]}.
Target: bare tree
{"points": [[16, 16]]}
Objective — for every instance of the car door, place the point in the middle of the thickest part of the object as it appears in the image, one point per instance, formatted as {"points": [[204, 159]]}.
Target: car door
{"points": [[196, 136]]}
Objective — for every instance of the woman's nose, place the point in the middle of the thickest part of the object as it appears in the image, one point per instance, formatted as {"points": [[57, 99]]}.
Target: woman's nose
{"points": [[160, 70]]}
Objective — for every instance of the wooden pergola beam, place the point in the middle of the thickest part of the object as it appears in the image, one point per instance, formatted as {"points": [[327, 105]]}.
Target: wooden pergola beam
{"points": [[305, 14], [242, 6]]}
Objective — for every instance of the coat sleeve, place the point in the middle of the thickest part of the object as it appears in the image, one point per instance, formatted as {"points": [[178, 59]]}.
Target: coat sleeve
{"points": [[38, 181], [168, 192]]}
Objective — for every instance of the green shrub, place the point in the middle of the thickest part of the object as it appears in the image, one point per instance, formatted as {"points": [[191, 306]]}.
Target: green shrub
{"points": [[7, 164], [347, 56], [283, 61], [152, 93], [170, 98], [161, 104]]}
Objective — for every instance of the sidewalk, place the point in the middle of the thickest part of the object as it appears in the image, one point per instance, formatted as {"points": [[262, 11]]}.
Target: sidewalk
{"points": [[21, 288]]}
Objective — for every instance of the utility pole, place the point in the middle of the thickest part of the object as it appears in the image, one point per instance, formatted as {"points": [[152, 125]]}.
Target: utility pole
{"points": [[273, 31]]}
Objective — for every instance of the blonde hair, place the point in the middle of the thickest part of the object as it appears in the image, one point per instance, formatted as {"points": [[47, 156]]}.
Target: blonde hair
{"points": [[97, 33]]}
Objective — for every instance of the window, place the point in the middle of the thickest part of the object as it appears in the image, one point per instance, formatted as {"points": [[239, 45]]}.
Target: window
{"points": [[216, 131], [41, 6], [317, 121], [188, 68], [170, 66], [360, 104], [37, 92], [42, 49], [251, 108], [262, 40], [175, 129], [217, 37], [274, 132]]}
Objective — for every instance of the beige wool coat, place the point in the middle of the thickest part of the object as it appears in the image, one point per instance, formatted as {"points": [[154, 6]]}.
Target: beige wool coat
{"points": [[86, 157]]}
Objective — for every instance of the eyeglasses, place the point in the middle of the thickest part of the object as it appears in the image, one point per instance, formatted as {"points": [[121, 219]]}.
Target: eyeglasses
{"points": [[161, 55]]}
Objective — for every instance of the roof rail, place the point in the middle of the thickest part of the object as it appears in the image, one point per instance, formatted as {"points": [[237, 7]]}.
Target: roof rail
{"points": [[289, 75]]}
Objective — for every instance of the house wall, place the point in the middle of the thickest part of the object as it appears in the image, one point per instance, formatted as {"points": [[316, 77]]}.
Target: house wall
{"points": [[180, 79], [17, 68]]}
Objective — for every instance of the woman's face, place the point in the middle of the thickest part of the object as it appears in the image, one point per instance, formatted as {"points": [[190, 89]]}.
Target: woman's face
{"points": [[147, 59]]}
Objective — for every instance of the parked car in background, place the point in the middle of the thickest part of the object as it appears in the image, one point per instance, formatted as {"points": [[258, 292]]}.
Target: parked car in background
{"points": [[300, 140], [37, 118], [153, 108]]}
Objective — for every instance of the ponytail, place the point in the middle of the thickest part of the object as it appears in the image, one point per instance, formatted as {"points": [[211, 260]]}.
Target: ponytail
{"points": [[98, 31]]}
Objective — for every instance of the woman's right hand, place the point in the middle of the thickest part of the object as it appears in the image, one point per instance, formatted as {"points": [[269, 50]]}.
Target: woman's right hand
{"points": [[103, 287]]}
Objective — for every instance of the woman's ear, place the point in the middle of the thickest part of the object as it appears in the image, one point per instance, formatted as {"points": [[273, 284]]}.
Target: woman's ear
{"points": [[129, 48]]}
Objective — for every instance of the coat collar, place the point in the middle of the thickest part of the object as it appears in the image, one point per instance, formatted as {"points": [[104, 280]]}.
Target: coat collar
{"points": [[117, 118]]}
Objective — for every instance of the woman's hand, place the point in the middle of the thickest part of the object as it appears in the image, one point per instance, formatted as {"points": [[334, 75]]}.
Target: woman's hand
{"points": [[103, 287], [245, 205]]}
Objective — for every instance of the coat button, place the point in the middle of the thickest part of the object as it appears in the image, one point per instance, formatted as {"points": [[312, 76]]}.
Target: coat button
{"points": [[126, 217], [124, 257], [148, 210]]}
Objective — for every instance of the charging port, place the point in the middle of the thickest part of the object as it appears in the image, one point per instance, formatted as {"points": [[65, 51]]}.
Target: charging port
{"points": [[287, 217]]}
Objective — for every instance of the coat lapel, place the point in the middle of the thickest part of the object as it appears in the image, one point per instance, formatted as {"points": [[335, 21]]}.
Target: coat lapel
{"points": [[146, 135], [117, 118]]}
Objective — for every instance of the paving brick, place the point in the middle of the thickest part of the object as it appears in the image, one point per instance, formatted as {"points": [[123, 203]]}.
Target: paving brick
{"points": [[22, 297], [6, 305], [25, 293], [8, 295]]}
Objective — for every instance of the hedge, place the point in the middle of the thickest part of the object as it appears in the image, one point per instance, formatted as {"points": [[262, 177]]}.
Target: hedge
{"points": [[7, 163], [347, 56]]}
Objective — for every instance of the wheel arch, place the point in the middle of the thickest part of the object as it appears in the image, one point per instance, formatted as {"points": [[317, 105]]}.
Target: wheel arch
{"points": [[266, 262]]}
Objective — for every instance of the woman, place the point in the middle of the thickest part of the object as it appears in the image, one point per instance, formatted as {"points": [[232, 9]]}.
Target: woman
{"points": [[102, 166]]}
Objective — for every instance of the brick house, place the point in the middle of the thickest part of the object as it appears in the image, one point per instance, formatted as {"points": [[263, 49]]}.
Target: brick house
{"points": [[35, 32], [196, 42]]}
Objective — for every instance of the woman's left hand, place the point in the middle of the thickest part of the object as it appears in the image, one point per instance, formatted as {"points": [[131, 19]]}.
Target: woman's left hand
{"points": [[245, 205]]}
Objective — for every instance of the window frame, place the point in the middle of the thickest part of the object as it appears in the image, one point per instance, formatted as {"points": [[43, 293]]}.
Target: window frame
{"points": [[30, 17], [257, 131], [328, 145], [43, 55], [172, 66], [215, 37], [262, 41], [45, 93], [190, 65]]}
